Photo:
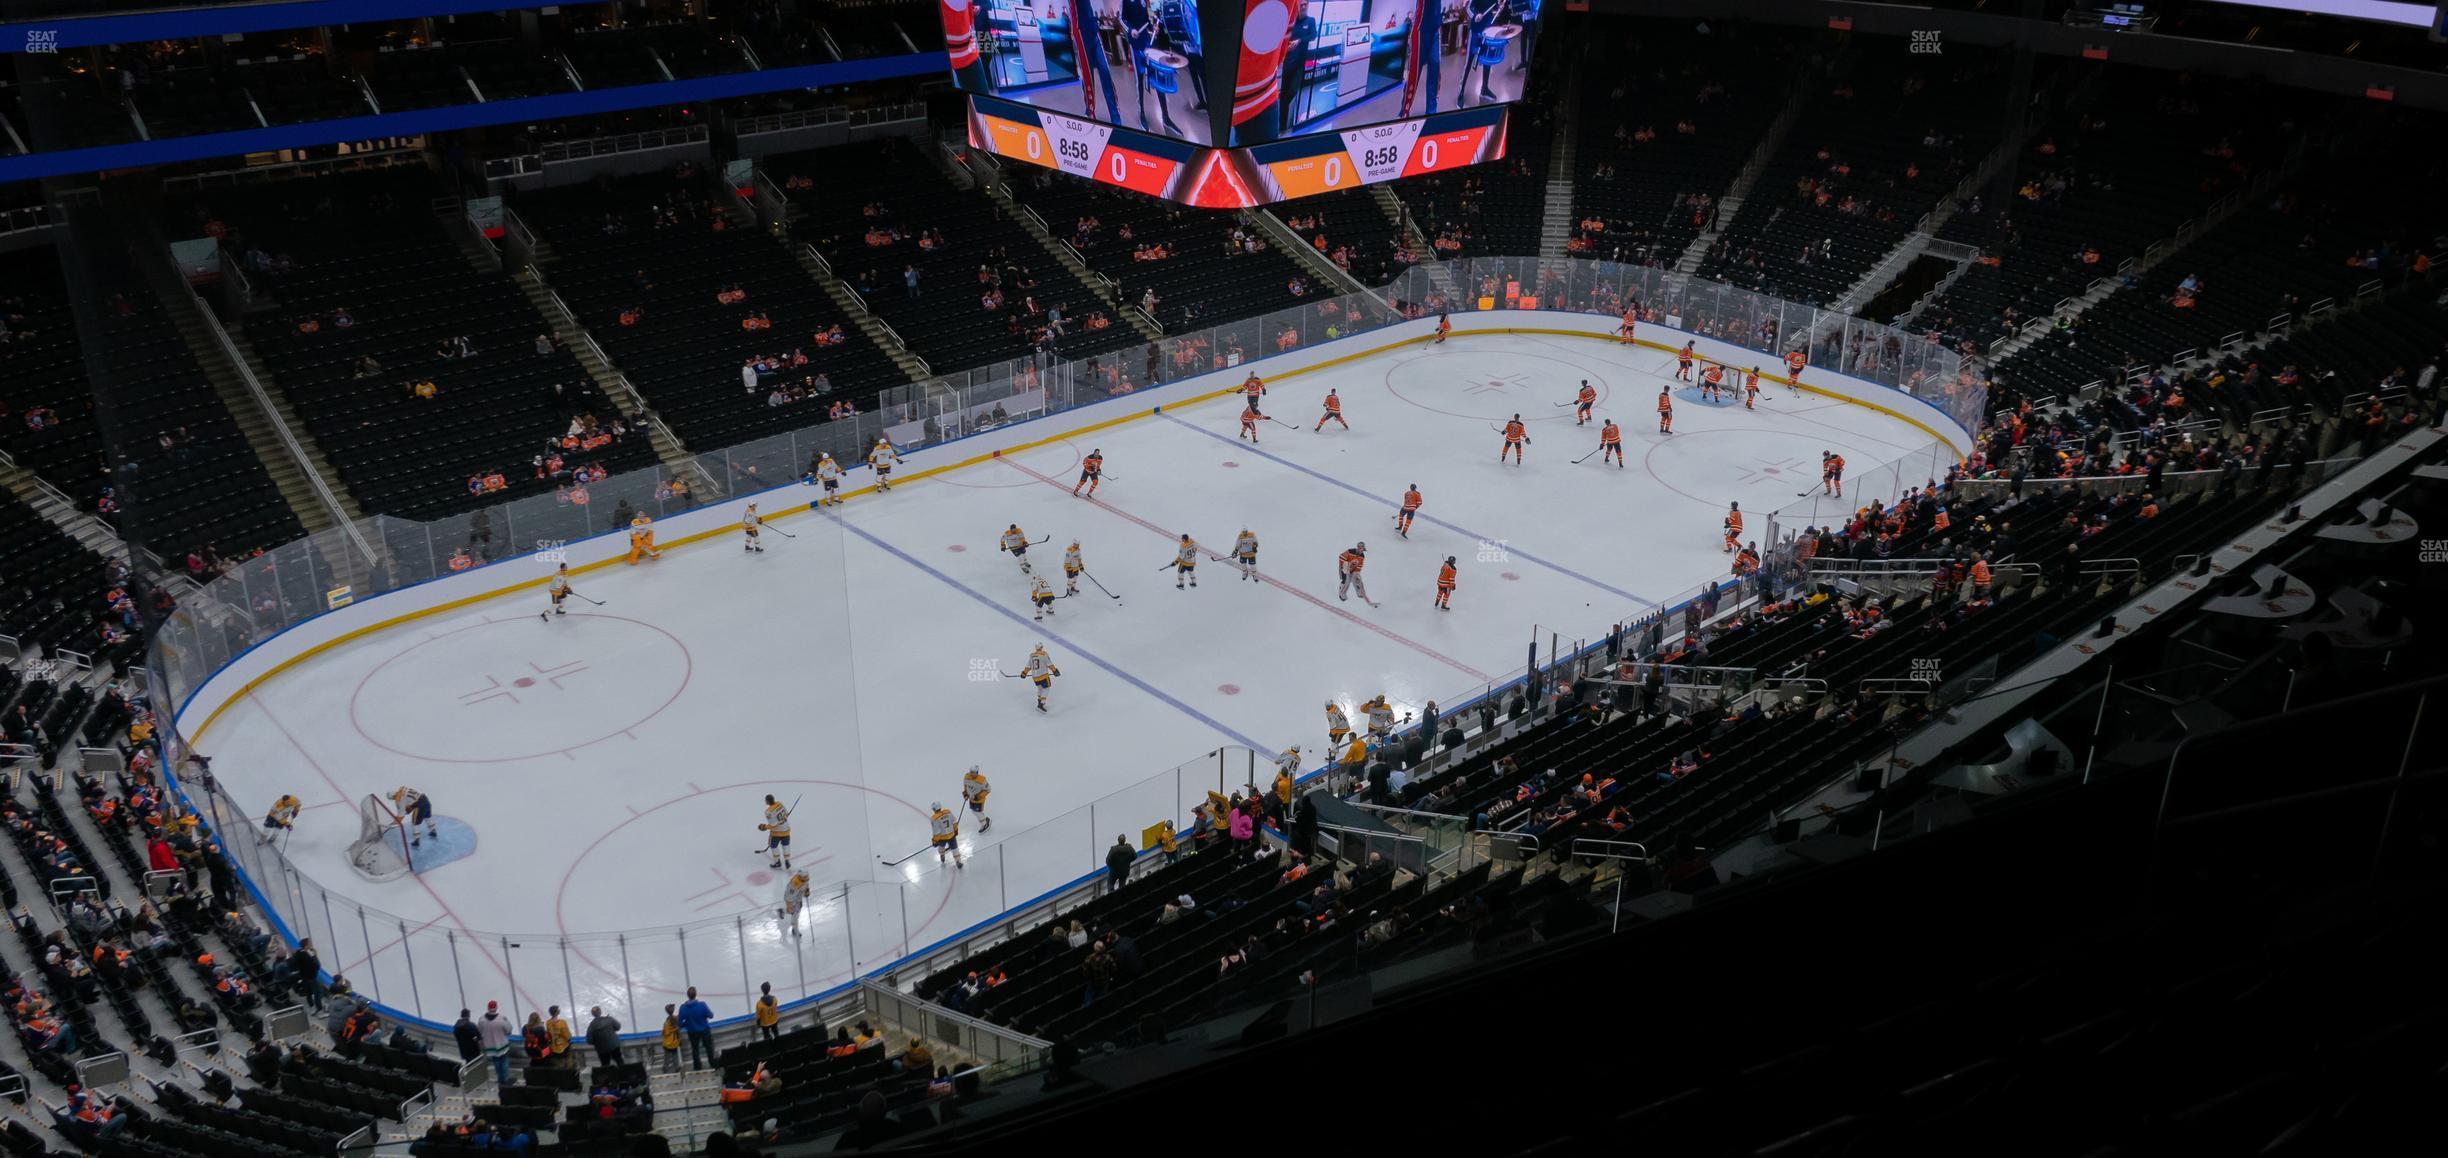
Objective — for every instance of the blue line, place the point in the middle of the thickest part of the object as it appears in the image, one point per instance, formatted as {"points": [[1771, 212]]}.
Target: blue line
{"points": [[1424, 517], [1039, 627]]}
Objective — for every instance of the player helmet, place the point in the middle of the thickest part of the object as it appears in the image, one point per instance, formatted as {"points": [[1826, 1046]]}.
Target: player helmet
{"points": [[973, 767], [936, 806]]}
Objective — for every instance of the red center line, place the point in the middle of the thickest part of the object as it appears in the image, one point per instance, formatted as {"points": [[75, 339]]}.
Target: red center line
{"points": [[473, 939], [1270, 581]]}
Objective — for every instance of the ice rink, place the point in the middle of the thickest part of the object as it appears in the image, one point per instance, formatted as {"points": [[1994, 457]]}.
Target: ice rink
{"points": [[600, 776]]}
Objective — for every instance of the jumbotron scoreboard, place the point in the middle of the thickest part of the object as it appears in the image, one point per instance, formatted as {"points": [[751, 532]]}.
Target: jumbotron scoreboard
{"points": [[1316, 95]]}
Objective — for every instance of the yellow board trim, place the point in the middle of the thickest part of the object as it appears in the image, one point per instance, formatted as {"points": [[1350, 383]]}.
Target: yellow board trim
{"points": [[354, 634]]}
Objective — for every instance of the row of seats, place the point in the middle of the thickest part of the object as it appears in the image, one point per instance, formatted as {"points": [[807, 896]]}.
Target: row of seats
{"points": [[660, 248], [2099, 184], [1881, 138], [368, 247], [1638, 167], [905, 217]]}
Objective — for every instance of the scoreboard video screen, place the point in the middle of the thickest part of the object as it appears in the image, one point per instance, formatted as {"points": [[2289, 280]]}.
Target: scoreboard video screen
{"points": [[1317, 94]]}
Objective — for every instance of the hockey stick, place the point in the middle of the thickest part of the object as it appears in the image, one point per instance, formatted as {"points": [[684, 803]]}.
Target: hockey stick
{"points": [[596, 602], [913, 856], [1586, 457], [1100, 586], [1281, 422], [781, 532]]}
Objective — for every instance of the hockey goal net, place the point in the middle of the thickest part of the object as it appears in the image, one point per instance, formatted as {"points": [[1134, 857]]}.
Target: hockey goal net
{"points": [[381, 850]]}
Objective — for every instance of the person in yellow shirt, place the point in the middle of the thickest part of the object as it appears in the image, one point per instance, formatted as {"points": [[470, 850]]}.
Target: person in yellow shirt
{"points": [[768, 1014], [557, 1039], [671, 1039]]}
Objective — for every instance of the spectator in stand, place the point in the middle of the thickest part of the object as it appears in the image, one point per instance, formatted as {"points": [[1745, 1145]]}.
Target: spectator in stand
{"points": [[465, 1034], [697, 1022], [557, 1034], [671, 1039], [308, 969], [1118, 861], [603, 1033]]}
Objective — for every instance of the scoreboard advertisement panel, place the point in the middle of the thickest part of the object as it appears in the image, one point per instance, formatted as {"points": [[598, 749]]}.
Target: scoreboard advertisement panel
{"points": [[1297, 96], [1236, 178]]}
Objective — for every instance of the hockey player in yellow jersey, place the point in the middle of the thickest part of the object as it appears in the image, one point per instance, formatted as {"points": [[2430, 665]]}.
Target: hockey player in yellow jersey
{"points": [[1338, 725], [776, 828], [1245, 554], [754, 525], [1041, 595], [882, 459], [281, 818], [559, 589], [973, 793], [1040, 671], [1185, 563], [1073, 566], [828, 474], [1015, 542], [1380, 717], [944, 835], [794, 899]]}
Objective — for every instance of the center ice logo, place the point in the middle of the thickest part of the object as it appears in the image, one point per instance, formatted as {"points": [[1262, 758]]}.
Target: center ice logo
{"points": [[1499, 384]]}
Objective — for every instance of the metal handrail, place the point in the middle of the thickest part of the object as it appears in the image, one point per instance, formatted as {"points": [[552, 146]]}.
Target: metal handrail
{"points": [[297, 453], [1904, 685]]}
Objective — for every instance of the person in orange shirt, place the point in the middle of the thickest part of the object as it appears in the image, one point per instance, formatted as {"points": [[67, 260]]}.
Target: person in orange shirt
{"points": [[1334, 413], [1831, 473], [1584, 402], [1410, 506], [1683, 363], [1751, 389], [1733, 527], [1712, 382], [1445, 584], [1746, 561], [1610, 444], [1515, 437], [1253, 388], [1980, 577], [1444, 327], [1625, 330], [1794, 361], [1665, 413]]}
